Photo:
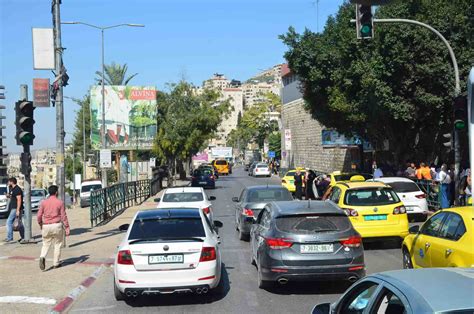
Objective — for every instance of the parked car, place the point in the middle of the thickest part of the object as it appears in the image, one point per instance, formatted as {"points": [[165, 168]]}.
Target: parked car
{"points": [[168, 251], [338, 176], [86, 188], [37, 196], [187, 197], [288, 181], [407, 291], [203, 177], [251, 201], [410, 194], [252, 166], [446, 239], [261, 169], [301, 241], [3, 200], [373, 207]]}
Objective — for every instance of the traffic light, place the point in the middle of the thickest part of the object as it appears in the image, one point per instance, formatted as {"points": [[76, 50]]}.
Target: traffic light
{"points": [[460, 112], [24, 122], [450, 141], [364, 21], [25, 159]]}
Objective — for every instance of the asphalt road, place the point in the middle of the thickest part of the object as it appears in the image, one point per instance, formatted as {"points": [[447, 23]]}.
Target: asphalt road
{"points": [[242, 294]]}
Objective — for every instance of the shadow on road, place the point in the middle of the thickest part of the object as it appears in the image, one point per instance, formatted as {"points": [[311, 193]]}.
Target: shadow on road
{"points": [[184, 299], [306, 288], [103, 235], [78, 231]]}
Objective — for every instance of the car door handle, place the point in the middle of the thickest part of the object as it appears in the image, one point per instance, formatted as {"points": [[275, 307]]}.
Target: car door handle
{"points": [[427, 245], [449, 251]]}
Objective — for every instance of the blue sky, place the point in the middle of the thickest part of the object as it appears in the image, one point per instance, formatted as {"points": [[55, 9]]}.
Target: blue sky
{"points": [[182, 38]]}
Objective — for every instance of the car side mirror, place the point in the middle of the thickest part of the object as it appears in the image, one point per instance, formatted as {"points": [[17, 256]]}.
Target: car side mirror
{"points": [[323, 308], [157, 200], [124, 227], [414, 229], [235, 199], [212, 198], [218, 224]]}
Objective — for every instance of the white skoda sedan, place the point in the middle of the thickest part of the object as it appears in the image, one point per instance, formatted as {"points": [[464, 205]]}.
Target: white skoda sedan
{"points": [[168, 251]]}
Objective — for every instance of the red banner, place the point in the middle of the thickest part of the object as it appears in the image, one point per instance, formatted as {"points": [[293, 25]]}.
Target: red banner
{"points": [[41, 92], [137, 94]]}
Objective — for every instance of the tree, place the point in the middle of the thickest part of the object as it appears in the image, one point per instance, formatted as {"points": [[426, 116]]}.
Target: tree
{"points": [[114, 74], [396, 87], [274, 143]]}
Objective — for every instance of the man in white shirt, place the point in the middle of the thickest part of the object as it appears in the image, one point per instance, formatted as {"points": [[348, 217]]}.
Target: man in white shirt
{"points": [[445, 181]]}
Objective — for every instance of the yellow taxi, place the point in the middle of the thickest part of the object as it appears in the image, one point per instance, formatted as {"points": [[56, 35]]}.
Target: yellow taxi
{"points": [[373, 208], [288, 181], [222, 166], [446, 239], [338, 176]]}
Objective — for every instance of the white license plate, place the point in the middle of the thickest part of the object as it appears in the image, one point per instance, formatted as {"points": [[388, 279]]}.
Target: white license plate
{"points": [[165, 259], [317, 248]]}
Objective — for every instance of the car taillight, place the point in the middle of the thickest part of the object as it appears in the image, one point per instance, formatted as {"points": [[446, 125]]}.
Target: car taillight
{"points": [[399, 210], [208, 254], [125, 258], [354, 241], [278, 243], [351, 212], [283, 181], [420, 196], [247, 212], [206, 210], [212, 178], [256, 169]]}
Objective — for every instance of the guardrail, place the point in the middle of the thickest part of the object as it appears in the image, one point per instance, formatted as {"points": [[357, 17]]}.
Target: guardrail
{"points": [[108, 202]]}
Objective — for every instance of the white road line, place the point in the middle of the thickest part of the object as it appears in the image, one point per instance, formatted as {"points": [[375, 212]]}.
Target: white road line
{"points": [[97, 308], [22, 299]]}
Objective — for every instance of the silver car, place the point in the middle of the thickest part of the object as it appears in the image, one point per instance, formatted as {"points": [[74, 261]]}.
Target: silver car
{"points": [[251, 202], [3, 201], [37, 196]]}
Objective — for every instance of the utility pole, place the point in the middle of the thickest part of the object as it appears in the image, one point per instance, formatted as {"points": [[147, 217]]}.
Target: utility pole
{"points": [[60, 175], [25, 165], [3, 168]]}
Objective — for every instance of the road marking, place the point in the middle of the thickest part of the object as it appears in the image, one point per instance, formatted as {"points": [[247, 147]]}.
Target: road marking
{"points": [[98, 308], [22, 299]]}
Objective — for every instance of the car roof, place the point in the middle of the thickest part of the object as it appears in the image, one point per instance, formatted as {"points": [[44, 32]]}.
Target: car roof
{"points": [[425, 283], [391, 179], [265, 187], [288, 208], [363, 184], [465, 210], [169, 213], [187, 189]]}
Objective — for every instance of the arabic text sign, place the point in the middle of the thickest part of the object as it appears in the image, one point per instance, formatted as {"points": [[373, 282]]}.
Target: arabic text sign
{"points": [[41, 92]]}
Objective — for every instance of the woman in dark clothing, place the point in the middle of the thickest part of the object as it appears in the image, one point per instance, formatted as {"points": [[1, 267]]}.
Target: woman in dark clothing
{"points": [[311, 176], [298, 185]]}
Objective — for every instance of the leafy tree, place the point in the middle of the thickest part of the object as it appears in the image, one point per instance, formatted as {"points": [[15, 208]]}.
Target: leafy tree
{"points": [[274, 143], [114, 74], [397, 86]]}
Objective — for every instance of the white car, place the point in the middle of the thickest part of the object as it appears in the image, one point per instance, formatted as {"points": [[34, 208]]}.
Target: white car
{"points": [[168, 251], [261, 169], [86, 188], [409, 193], [3, 201], [187, 197]]}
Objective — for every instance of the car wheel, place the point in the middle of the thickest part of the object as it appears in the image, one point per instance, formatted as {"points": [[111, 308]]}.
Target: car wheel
{"points": [[119, 296], [407, 264]]}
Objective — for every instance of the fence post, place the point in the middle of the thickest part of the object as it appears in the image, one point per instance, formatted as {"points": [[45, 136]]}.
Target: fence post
{"points": [[135, 191], [104, 214]]}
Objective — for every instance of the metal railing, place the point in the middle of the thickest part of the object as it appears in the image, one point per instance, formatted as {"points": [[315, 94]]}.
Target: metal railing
{"points": [[108, 202], [431, 189]]}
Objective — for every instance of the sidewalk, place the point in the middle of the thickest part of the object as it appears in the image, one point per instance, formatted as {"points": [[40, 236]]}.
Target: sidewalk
{"points": [[25, 288]]}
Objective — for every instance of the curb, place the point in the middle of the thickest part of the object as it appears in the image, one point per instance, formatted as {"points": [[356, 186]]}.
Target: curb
{"points": [[65, 303]]}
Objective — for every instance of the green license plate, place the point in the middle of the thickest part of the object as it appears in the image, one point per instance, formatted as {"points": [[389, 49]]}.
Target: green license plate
{"points": [[375, 217]]}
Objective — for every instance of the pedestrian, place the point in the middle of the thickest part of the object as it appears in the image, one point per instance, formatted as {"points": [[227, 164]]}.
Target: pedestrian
{"points": [[298, 181], [378, 173], [445, 181], [424, 172], [410, 172], [310, 177], [15, 207], [53, 222]]}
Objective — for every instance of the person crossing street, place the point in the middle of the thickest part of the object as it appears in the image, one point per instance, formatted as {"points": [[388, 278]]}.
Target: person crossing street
{"points": [[15, 206]]}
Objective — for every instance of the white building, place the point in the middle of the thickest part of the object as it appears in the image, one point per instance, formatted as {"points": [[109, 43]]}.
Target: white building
{"points": [[235, 97]]}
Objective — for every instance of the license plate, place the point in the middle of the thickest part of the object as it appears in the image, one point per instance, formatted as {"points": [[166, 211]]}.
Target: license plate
{"points": [[291, 181], [165, 259], [317, 248], [202, 182], [375, 217]]}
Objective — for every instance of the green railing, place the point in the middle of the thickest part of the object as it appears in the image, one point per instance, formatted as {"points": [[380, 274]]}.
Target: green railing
{"points": [[431, 189], [108, 202]]}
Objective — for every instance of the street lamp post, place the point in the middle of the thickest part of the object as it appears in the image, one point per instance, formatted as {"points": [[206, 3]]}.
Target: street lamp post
{"points": [[102, 29]]}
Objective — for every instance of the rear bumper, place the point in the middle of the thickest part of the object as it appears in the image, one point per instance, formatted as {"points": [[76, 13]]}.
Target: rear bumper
{"points": [[313, 273], [384, 230], [167, 290], [85, 202], [207, 185]]}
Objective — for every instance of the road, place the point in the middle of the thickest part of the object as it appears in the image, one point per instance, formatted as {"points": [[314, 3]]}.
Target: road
{"points": [[242, 294]]}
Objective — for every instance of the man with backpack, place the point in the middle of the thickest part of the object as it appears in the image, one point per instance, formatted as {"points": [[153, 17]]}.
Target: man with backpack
{"points": [[15, 205]]}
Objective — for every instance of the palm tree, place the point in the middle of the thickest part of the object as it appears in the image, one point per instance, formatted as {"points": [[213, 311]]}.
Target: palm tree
{"points": [[114, 74]]}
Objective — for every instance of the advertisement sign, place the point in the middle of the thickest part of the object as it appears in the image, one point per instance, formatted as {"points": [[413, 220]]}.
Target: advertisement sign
{"points": [[287, 139], [331, 138], [201, 157], [130, 117], [41, 92], [105, 158], [43, 49], [222, 152]]}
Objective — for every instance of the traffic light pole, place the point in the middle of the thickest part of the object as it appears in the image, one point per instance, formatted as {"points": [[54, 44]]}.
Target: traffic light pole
{"points": [[27, 185]]}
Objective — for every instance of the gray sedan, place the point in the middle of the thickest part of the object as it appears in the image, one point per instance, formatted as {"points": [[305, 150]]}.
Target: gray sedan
{"points": [[37, 196], [435, 290], [302, 241], [250, 203]]}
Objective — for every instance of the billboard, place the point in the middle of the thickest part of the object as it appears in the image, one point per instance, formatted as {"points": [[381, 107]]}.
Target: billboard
{"points": [[331, 138], [130, 117], [221, 152]]}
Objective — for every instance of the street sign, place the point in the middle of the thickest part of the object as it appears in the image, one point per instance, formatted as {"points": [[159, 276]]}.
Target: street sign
{"points": [[43, 49], [41, 92], [105, 158], [271, 154], [77, 181], [287, 139]]}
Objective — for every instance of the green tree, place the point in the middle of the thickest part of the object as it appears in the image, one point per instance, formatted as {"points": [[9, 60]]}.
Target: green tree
{"points": [[114, 74], [396, 87], [274, 143]]}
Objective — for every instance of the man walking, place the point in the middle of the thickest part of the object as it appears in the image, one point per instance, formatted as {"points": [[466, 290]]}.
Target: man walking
{"points": [[15, 206], [53, 222], [445, 181]]}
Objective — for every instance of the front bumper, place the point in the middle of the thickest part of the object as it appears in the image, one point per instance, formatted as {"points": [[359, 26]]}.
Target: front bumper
{"points": [[313, 273]]}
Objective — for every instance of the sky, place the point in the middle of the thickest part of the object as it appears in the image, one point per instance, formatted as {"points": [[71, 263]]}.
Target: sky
{"points": [[189, 39]]}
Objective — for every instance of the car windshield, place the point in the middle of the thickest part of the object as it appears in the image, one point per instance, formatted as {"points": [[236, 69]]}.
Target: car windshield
{"points": [[404, 187], [371, 196], [183, 197], [202, 172], [37, 193], [3, 190], [167, 228], [268, 195], [310, 224], [91, 187], [221, 162]]}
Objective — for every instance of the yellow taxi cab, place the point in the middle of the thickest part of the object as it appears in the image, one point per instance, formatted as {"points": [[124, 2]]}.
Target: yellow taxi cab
{"points": [[222, 166], [338, 176], [446, 239], [373, 208], [288, 181]]}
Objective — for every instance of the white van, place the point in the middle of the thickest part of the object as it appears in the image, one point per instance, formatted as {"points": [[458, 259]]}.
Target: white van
{"points": [[3, 200], [86, 188]]}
